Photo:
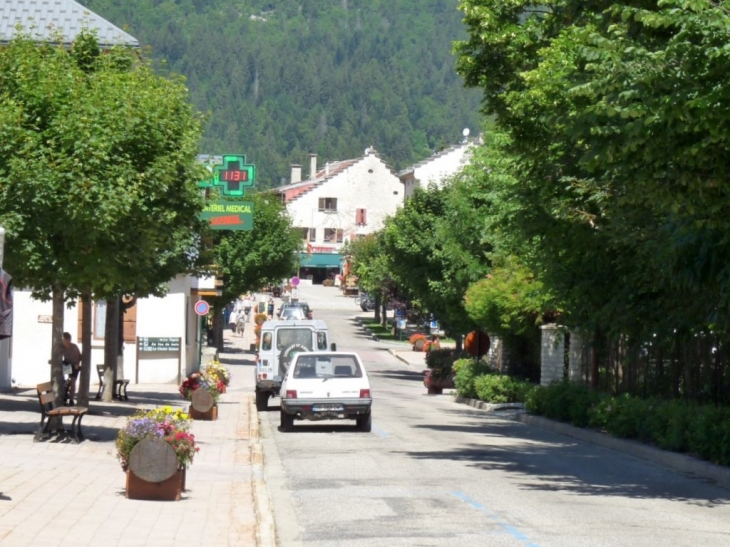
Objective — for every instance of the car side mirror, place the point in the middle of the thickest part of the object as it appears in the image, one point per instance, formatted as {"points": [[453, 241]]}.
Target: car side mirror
{"points": [[333, 346]]}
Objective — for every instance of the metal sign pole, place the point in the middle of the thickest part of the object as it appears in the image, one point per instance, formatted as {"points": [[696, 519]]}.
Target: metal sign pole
{"points": [[2, 245], [200, 340]]}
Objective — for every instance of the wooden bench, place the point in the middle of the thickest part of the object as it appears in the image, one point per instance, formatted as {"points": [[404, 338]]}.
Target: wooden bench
{"points": [[120, 386], [49, 410]]}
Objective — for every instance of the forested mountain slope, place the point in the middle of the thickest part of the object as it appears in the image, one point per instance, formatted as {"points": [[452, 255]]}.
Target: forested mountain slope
{"points": [[283, 78]]}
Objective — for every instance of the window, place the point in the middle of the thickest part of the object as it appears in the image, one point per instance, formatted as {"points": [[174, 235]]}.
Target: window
{"points": [[99, 319], [361, 216], [331, 235], [304, 232], [321, 340], [328, 204], [312, 235], [266, 341]]}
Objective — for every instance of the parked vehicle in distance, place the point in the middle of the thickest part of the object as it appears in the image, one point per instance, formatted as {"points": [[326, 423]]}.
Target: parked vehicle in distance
{"points": [[292, 312], [297, 304], [325, 385], [280, 340]]}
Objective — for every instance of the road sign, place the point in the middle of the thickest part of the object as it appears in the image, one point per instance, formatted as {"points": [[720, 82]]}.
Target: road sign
{"points": [[202, 307], [294, 281]]}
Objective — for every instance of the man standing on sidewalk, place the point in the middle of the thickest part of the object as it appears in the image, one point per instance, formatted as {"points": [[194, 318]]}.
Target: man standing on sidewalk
{"points": [[71, 358]]}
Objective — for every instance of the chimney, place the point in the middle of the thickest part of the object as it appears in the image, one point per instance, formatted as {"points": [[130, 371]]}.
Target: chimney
{"points": [[312, 166], [327, 169], [296, 173]]}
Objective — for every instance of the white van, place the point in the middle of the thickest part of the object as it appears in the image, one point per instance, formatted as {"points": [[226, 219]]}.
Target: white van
{"points": [[280, 341]]}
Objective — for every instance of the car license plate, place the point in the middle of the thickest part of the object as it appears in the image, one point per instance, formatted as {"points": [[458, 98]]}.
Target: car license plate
{"points": [[327, 407]]}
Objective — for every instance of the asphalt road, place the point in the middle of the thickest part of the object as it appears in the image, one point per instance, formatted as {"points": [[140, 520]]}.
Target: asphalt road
{"points": [[433, 472]]}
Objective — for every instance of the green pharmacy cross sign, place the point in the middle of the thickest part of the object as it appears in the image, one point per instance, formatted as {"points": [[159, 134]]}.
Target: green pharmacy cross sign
{"points": [[233, 176]]}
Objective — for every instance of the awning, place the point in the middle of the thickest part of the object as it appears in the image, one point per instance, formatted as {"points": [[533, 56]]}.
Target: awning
{"points": [[319, 260]]}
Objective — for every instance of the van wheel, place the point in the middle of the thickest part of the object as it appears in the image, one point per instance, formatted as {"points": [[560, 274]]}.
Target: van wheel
{"points": [[262, 401], [287, 422], [365, 423]]}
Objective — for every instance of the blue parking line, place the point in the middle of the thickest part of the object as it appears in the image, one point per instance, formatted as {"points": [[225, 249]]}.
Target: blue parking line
{"points": [[511, 530], [380, 433]]}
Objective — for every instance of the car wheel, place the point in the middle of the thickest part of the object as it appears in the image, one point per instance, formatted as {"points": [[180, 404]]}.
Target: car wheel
{"points": [[262, 400], [365, 423], [287, 422]]}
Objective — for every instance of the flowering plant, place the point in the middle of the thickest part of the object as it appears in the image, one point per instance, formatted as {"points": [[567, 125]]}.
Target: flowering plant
{"points": [[431, 344], [201, 380], [221, 373], [170, 425]]}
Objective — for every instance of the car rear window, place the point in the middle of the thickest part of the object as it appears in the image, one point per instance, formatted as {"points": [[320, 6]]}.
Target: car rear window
{"points": [[287, 337], [339, 366]]}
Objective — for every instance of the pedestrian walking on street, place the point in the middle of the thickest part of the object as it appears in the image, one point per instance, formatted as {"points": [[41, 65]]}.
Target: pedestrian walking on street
{"points": [[72, 360], [271, 308]]}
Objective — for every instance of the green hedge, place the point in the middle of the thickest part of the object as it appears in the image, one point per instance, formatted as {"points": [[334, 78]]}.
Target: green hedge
{"points": [[679, 426]]}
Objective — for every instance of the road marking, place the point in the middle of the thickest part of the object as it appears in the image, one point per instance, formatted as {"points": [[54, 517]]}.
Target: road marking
{"points": [[380, 433], [511, 530]]}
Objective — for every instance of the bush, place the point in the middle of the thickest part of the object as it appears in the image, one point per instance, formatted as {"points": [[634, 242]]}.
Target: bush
{"points": [[465, 372], [498, 388], [444, 358], [678, 426], [563, 401]]}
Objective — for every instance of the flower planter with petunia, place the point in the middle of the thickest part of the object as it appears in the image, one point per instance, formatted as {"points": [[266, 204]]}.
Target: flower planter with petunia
{"points": [[203, 391], [155, 447]]}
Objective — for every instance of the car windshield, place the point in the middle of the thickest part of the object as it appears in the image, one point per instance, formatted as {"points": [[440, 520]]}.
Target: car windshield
{"points": [[287, 337], [320, 366]]}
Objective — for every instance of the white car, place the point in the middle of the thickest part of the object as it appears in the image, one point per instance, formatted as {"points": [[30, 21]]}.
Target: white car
{"points": [[325, 386]]}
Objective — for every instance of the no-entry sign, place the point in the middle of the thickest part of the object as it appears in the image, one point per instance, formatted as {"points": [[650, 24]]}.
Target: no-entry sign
{"points": [[202, 307]]}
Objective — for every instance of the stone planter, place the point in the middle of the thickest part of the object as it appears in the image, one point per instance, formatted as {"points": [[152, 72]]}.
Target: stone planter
{"points": [[167, 490], [436, 386], [202, 406], [209, 415], [418, 346], [153, 472]]}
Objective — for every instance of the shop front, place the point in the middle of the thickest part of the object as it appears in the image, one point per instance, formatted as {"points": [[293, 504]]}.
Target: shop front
{"points": [[318, 266]]}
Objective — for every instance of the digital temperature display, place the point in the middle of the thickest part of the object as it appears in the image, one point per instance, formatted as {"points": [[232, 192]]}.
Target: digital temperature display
{"points": [[233, 175]]}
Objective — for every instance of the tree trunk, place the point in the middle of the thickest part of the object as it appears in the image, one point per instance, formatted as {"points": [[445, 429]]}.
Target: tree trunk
{"points": [[111, 348], [378, 300], [57, 346], [85, 376], [218, 325], [384, 312]]}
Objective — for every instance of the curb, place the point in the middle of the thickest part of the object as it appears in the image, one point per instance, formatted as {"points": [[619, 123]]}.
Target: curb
{"points": [[265, 529], [481, 405], [682, 463]]}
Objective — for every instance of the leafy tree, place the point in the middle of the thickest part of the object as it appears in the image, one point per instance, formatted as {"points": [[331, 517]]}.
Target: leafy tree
{"points": [[250, 260], [97, 181], [614, 120], [434, 252]]}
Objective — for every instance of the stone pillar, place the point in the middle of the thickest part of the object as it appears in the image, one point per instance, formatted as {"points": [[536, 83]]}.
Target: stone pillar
{"points": [[552, 355], [576, 361]]}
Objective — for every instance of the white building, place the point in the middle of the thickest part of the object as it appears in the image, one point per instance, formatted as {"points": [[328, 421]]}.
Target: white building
{"points": [[437, 168], [344, 200], [171, 317]]}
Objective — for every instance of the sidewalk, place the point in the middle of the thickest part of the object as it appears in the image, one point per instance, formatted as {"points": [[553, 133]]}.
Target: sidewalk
{"points": [[73, 494]]}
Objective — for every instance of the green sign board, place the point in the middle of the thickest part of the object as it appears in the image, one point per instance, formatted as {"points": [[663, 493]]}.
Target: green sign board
{"points": [[158, 344], [229, 215], [232, 175]]}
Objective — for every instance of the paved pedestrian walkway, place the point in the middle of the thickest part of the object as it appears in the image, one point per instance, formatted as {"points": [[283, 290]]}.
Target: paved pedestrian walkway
{"points": [[74, 494]]}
